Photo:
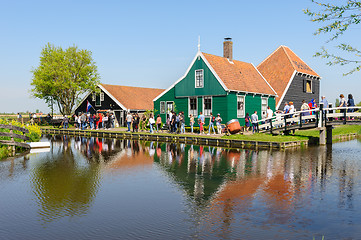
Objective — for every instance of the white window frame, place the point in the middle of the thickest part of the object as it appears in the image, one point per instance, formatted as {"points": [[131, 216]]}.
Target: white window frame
{"points": [[167, 106], [264, 112], [189, 106], [162, 110], [101, 96], [94, 95], [195, 78], [203, 103], [241, 113]]}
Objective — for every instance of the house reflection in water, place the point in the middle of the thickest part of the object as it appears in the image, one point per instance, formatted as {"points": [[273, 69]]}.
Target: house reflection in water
{"points": [[221, 185]]}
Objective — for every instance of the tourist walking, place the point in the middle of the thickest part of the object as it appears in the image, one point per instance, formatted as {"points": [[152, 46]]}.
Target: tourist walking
{"points": [[91, 121], [105, 121], [182, 122], [324, 101], [201, 120], [151, 122], [100, 121], [218, 123], [286, 108], [65, 122], [305, 108], [254, 119], [20, 118], [173, 122], [211, 124], [343, 104], [136, 121], [159, 123], [312, 104], [191, 122], [247, 121], [143, 123], [350, 103], [111, 120], [129, 120]]}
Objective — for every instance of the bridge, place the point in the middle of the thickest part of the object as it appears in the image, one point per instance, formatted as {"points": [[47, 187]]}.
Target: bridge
{"points": [[323, 119]]}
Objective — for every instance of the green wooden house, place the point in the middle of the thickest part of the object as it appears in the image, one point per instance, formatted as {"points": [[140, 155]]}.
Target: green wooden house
{"points": [[219, 85]]}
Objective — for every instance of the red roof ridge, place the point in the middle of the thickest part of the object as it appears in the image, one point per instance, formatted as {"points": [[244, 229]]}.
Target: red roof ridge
{"points": [[288, 56], [129, 86]]}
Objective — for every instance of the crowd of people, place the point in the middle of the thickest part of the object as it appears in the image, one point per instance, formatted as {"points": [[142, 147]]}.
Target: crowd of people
{"points": [[175, 123], [91, 121]]}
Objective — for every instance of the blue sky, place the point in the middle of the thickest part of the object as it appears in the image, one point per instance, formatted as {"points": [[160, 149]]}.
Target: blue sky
{"points": [[151, 43]]}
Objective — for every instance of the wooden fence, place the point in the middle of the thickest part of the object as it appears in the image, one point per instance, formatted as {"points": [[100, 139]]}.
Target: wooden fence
{"points": [[14, 136]]}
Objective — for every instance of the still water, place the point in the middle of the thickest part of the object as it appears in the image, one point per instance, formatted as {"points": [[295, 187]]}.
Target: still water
{"points": [[93, 188]]}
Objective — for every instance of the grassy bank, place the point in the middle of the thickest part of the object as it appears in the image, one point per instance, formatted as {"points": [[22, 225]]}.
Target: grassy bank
{"points": [[312, 135]]}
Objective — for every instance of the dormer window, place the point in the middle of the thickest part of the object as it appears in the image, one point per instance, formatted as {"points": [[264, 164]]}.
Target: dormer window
{"points": [[199, 78]]}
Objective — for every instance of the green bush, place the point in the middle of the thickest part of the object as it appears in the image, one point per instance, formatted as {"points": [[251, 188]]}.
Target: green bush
{"points": [[4, 152]]}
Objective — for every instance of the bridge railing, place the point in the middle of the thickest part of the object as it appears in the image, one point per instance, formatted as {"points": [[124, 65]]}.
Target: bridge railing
{"points": [[308, 118], [345, 114]]}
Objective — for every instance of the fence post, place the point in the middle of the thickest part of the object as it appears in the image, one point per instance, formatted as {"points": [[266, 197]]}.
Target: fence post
{"points": [[321, 115], [285, 118], [344, 116], [270, 122], [300, 119]]}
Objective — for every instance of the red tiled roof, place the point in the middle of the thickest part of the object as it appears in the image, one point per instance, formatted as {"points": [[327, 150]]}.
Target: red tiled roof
{"points": [[278, 68], [133, 97], [239, 76]]}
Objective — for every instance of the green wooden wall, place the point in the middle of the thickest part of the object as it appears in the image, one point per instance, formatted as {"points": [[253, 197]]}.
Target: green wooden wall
{"points": [[212, 87]]}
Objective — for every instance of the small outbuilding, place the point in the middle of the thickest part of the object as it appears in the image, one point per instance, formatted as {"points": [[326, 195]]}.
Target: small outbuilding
{"points": [[120, 99], [218, 85]]}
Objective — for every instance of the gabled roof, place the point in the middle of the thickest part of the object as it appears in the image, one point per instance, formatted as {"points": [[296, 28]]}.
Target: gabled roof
{"points": [[279, 68], [233, 76], [239, 76], [135, 98]]}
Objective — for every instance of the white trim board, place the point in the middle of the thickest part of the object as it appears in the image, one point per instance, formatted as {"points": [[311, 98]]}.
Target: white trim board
{"points": [[112, 97]]}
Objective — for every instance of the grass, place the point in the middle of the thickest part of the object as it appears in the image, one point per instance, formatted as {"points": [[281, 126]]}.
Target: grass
{"points": [[4, 152]]}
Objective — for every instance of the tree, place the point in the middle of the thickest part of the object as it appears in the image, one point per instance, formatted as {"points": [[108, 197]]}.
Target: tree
{"points": [[63, 75], [338, 20]]}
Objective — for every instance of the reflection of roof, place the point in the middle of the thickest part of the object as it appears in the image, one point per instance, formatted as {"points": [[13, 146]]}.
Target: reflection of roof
{"points": [[135, 98], [139, 160], [239, 76], [278, 68]]}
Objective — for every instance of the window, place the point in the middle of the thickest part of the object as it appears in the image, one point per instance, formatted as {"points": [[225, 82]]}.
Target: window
{"points": [[97, 100], [169, 107], [93, 97], [240, 107], [308, 86], [102, 96], [207, 106], [199, 78], [264, 107], [162, 107], [193, 106]]}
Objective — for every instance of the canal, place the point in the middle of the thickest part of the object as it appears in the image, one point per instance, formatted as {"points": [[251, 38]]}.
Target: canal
{"points": [[94, 188]]}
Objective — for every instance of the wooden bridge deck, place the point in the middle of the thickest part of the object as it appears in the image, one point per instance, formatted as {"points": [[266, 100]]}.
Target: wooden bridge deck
{"points": [[301, 120]]}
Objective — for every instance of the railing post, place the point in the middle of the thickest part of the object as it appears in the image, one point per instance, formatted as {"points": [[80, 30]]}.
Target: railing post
{"points": [[344, 116], [321, 115], [270, 122], [300, 119], [285, 118], [330, 111], [317, 119]]}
